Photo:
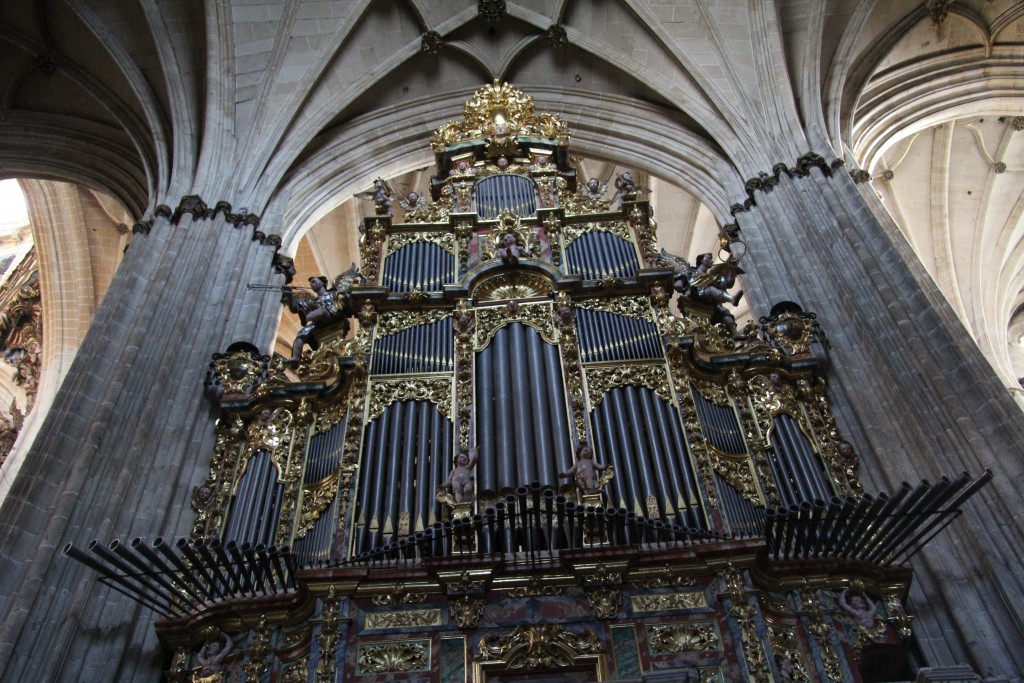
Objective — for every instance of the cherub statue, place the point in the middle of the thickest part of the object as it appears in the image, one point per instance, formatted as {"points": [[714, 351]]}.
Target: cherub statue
{"points": [[627, 189], [860, 607], [411, 202], [593, 191], [211, 656], [460, 479], [585, 469], [509, 250], [327, 306], [380, 196]]}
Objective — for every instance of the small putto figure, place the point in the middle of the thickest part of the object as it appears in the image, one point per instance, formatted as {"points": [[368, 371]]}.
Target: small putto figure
{"points": [[460, 479], [585, 470], [380, 195]]}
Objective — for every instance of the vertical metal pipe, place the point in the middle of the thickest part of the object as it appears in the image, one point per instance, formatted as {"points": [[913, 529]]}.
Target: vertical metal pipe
{"points": [[519, 336], [504, 421], [540, 412]]}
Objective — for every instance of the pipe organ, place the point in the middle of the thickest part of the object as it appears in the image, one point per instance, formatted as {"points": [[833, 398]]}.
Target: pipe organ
{"points": [[529, 461]]}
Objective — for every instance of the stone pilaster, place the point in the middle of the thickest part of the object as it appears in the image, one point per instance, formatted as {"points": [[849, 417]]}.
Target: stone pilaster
{"points": [[126, 439], [914, 394]]}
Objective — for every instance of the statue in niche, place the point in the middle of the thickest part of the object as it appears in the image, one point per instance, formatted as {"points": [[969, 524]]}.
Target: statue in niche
{"points": [[380, 195], [211, 660], [326, 307], [626, 189], [860, 607], [460, 480], [706, 283], [586, 471]]}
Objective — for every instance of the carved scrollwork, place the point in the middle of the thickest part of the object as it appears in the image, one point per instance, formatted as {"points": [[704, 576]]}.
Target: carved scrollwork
{"points": [[646, 230], [236, 373], [437, 390], [396, 241], [574, 231], [391, 323], [602, 379], [403, 619], [530, 647], [329, 416], [786, 646], [632, 306], [466, 610], [491, 319], [316, 497], [209, 500], [688, 410], [409, 655], [683, 637], [605, 601], [398, 595], [743, 612], [660, 602], [297, 671], [369, 249], [329, 636], [433, 212], [820, 627], [736, 470], [260, 646]]}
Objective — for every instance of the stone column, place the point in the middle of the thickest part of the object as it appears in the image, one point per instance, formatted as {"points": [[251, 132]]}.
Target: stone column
{"points": [[916, 397], [128, 436]]}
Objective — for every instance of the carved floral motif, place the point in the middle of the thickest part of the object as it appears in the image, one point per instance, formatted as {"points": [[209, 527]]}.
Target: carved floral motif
{"points": [[529, 647]]}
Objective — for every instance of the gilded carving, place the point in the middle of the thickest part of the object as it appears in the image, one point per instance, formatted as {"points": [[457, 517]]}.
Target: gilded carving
{"points": [[518, 118], [700, 636], [632, 306], [269, 432], [662, 578], [529, 647], [403, 619], [398, 595], [821, 629], [898, 616], [535, 587], [297, 671], [236, 373], [437, 390], [464, 321], [601, 379], [574, 231], [605, 601], [787, 653], [369, 249], [210, 499], [430, 212], [292, 479], [512, 286], [178, 673], [391, 323], [466, 610], [260, 646], [564, 316], [743, 612], [737, 471], [396, 241], [316, 497], [553, 229], [354, 428], [584, 201], [328, 637], [329, 415], [492, 318], [509, 240], [688, 410], [646, 230], [660, 602], [408, 655], [839, 456]]}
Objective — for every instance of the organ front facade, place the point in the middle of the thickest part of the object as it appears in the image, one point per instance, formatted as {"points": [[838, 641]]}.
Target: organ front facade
{"points": [[522, 443]]}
